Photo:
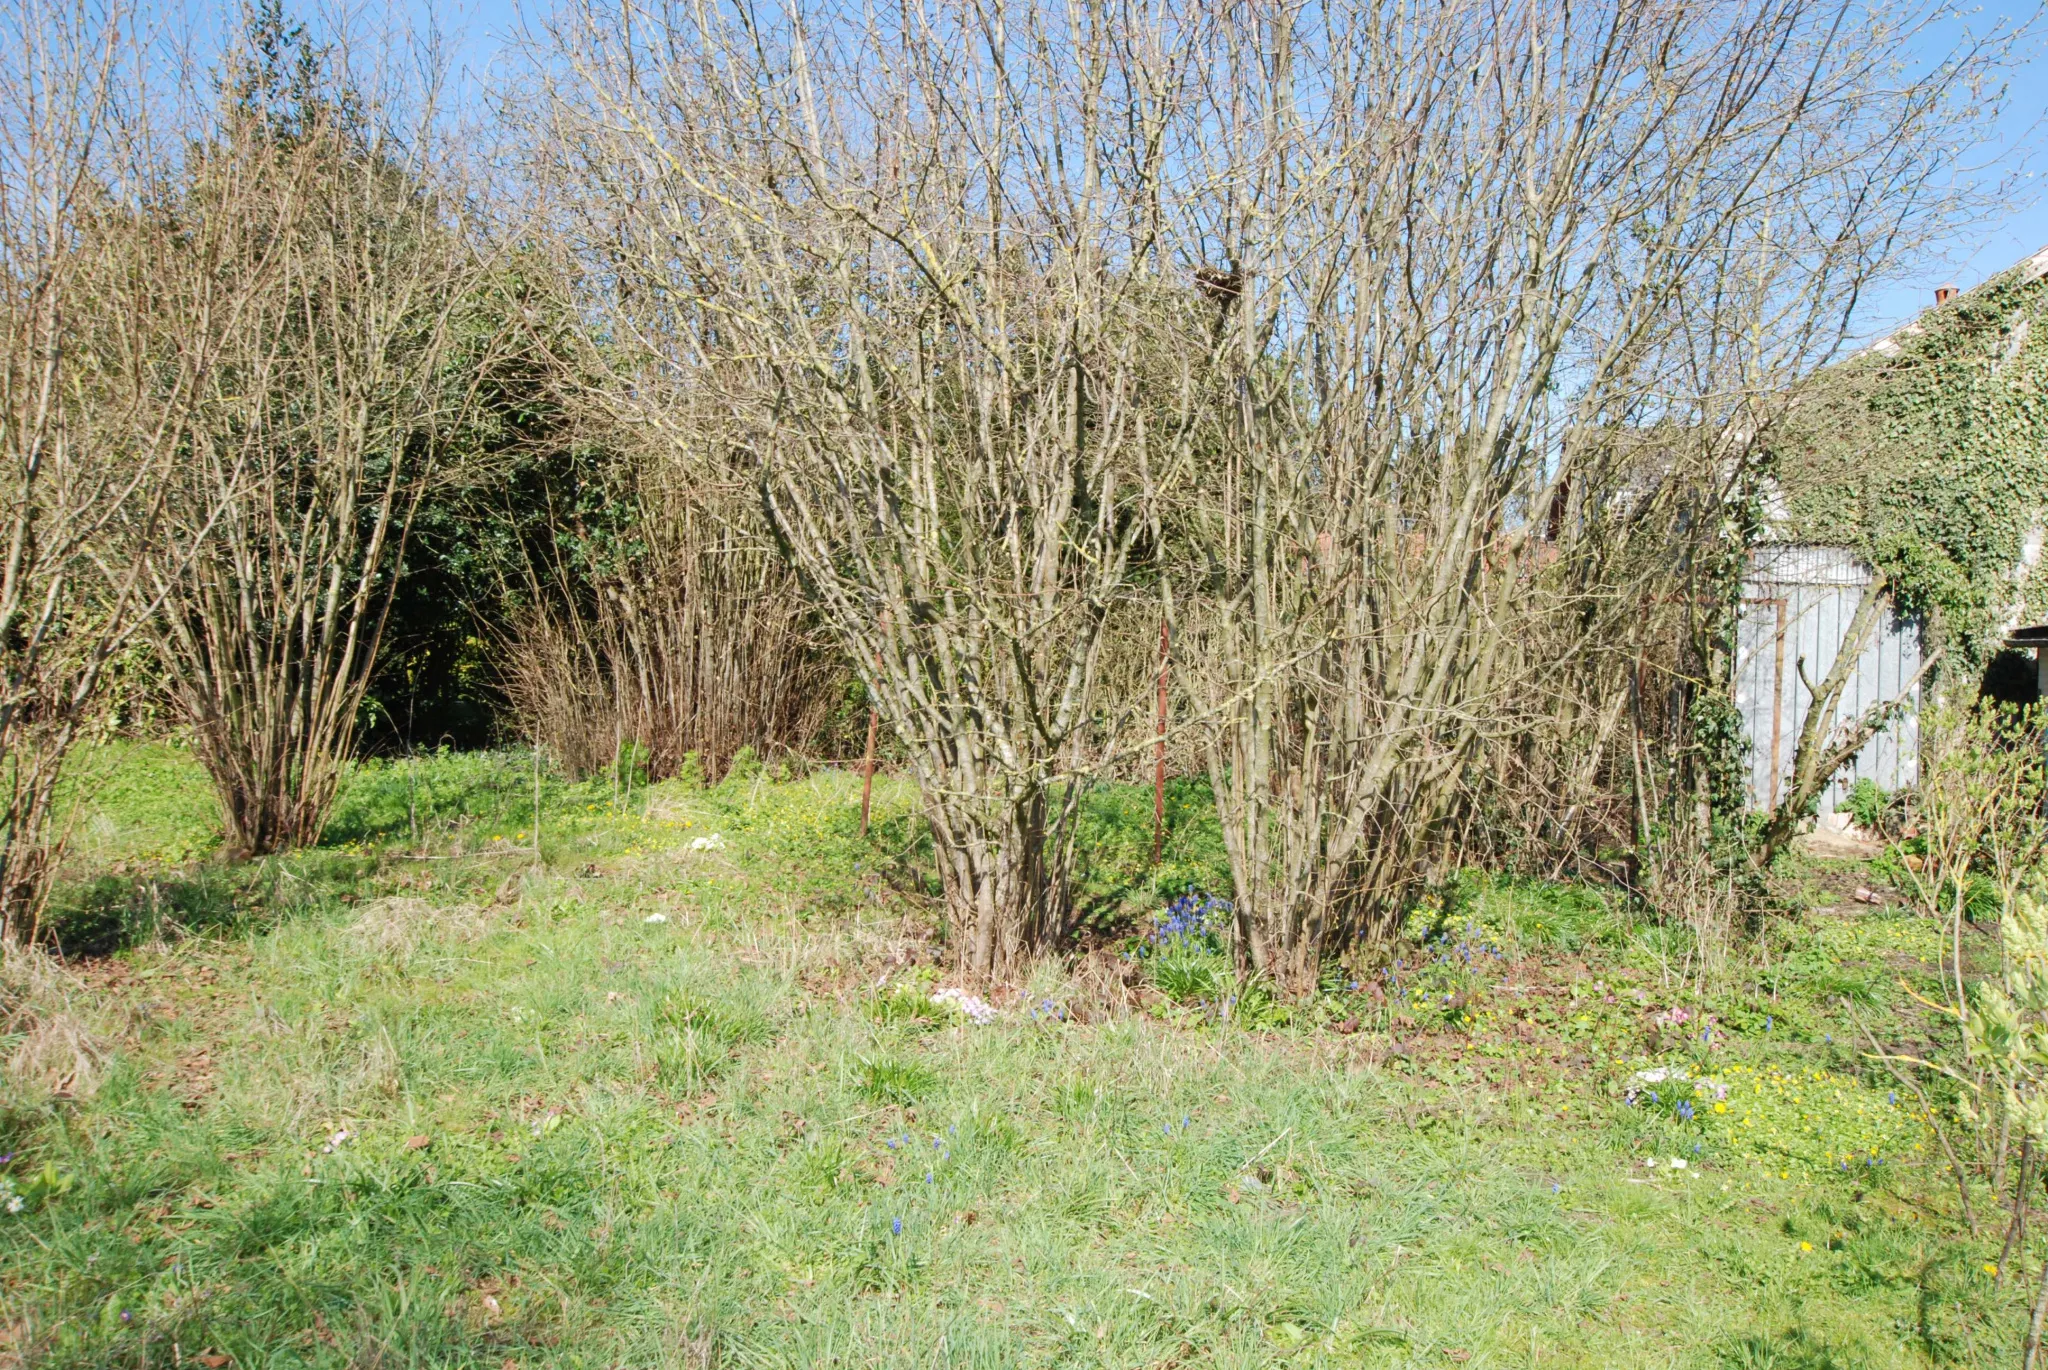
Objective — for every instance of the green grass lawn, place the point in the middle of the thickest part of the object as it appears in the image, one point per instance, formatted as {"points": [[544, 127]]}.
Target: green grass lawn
{"points": [[674, 1094]]}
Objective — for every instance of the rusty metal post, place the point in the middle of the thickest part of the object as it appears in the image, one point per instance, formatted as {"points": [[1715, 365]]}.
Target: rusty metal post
{"points": [[1159, 754], [867, 768], [867, 764]]}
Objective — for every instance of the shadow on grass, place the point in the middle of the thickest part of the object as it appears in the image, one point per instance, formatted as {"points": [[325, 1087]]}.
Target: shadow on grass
{"points": [[1793, 1349], [434, 794], [103, 914]]}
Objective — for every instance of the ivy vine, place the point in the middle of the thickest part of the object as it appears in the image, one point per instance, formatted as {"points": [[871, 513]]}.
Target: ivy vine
{"points": [[1928, 453]]}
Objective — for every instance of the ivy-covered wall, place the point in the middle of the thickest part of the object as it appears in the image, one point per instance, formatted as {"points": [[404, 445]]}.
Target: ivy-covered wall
{"points": [[1928, 453]]}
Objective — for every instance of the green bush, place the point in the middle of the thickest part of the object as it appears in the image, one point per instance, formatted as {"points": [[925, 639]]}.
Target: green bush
{"points": [[1867, 803]]}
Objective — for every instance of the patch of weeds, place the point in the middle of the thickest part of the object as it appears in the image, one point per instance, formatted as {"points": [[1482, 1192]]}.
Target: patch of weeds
{"points": [[742, 771], [1252, 1004], [1115, 879], [1869, 806], [903, 1005], [689, 1061], [695, 1038], [1076, 1098], [820, 1168], [725, 1023], [1794, 1349], [895, 1082], [1441, 981], [1190, 977], [1662, 943], [1542, 913]]}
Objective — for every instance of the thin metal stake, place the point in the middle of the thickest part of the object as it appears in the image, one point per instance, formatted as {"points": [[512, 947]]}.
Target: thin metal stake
{"points": [[867, 764], [1159, 753], [867, 768]]}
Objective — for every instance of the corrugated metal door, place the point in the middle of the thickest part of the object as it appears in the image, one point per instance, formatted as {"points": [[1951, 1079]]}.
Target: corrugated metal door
{"points": [[1796, 604]]}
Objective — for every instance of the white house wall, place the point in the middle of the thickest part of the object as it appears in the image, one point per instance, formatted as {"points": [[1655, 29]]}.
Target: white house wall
{"points": [[1812, 592]]}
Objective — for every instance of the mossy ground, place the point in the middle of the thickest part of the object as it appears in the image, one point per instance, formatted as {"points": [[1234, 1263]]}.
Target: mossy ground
{"points": [[423, 1097]]}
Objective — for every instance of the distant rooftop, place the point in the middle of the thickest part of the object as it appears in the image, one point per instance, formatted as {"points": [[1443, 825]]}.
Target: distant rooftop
{"points": [[2030, 269]]}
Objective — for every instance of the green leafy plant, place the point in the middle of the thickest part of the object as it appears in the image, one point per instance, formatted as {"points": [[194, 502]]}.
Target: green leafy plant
{"points": [[1867, 803], [1189, 976], [2005, 1038], [903, 1006]]}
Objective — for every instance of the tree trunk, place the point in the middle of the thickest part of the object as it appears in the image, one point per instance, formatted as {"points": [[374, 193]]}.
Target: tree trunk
{"points": [[1004, 872], [2030, 1355]]}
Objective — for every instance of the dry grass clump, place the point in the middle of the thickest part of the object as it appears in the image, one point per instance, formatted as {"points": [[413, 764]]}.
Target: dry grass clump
{"points": [[50, 1046], [396, 925]]}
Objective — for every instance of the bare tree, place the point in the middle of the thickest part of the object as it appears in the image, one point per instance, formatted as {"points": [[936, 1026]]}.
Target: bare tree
{"points": [[660, 618], [1498, 261], [1416, 349], [1827, 742], [95, 394], [323, 419], [910, 269]]}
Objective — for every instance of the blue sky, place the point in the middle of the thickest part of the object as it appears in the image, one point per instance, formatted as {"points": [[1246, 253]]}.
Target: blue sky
{"points": [[2014, 148]]}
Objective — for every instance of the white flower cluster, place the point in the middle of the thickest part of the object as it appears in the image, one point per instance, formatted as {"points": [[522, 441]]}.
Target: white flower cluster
{"points": [[977, 1009], [711, 842], [1677, 1080], [9, 1200]]}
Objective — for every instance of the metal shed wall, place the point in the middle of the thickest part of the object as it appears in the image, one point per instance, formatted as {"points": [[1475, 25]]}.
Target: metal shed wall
{"points": [[1796, 603]]}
